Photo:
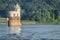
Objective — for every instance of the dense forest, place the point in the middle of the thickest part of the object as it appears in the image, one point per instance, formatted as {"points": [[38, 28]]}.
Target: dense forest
{"points": [[44, 11]]}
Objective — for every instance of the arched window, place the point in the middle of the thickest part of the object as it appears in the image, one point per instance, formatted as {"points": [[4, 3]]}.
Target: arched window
{"points": [[14, 14], [17, 14]]}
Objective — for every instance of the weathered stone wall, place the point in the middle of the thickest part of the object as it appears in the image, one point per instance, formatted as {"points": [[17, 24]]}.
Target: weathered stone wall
{"points": [[14, 22]]}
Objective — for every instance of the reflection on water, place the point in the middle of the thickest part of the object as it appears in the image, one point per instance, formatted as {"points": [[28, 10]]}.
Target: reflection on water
{"points": [[14, 30], [30, 32]]}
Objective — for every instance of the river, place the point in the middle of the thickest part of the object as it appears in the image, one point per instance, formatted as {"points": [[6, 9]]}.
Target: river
{"points": [[32, 32]]}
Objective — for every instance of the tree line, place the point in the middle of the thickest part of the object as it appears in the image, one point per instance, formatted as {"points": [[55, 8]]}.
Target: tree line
{"points": [[45, 11]]}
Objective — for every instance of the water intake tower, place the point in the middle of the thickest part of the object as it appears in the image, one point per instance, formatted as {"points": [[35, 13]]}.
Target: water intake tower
{"points": [[14, 17]]}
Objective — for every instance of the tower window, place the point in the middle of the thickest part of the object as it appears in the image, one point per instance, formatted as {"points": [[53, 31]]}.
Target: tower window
{"points": [[14, 14], [17, 14]]}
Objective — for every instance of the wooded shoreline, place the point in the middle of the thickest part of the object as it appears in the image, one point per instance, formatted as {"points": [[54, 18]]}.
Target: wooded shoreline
{"points": [[4, 21]]}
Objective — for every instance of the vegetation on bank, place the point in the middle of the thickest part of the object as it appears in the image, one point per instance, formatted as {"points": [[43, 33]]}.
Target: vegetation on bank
{"points": [[35, 22], [39, 11], [4, 21]]}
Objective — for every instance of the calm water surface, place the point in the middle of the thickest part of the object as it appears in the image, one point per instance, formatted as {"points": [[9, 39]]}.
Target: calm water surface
{"points": [[34, 31]]}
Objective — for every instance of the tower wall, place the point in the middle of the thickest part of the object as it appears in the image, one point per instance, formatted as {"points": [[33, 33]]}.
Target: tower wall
{"points": [[11, 13], [14, 19], [14, 22]]}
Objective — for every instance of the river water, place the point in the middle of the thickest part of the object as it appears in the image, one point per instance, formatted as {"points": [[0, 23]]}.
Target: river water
{"points": [[31, 32]]}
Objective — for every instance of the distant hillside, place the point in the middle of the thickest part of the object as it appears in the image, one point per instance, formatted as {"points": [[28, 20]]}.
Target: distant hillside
{"points": [[41, 4], [37, 10]]}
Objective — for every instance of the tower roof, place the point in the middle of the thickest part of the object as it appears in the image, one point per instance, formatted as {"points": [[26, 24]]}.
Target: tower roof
{"points": [[17, 6]]}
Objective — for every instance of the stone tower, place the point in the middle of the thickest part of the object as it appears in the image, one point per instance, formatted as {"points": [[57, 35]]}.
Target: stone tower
{"points": [[14, 17]]}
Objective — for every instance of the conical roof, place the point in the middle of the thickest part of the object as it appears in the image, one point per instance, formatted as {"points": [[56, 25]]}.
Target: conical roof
{"points": [[17, 6]]}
